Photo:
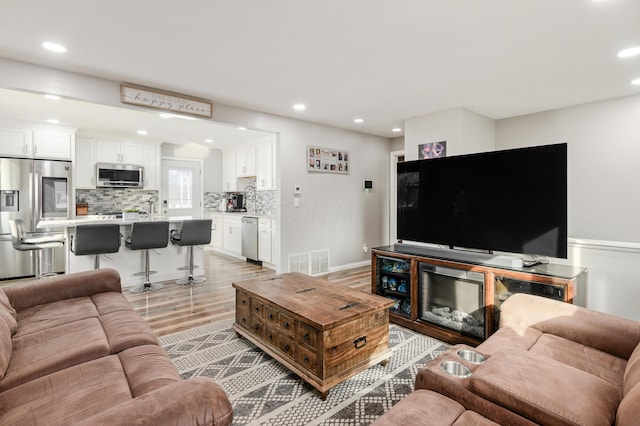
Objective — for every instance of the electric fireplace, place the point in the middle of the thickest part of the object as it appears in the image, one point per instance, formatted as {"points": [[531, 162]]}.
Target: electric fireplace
{"points": [[453, 299]]}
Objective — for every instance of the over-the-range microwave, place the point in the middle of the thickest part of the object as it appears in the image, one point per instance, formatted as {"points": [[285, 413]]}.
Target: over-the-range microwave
{"points": [[119, 175]]}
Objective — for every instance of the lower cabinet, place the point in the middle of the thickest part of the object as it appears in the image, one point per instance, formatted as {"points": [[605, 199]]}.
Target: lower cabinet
{"points": [[216, 231], [266, 229], [232, 234]]}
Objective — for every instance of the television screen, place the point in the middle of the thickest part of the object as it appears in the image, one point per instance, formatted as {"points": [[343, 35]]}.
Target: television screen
{"points": [[511, 201]]}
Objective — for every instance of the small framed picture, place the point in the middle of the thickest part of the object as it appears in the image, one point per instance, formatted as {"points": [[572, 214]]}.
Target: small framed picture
{"points": [[327, 160], [432, 150]]}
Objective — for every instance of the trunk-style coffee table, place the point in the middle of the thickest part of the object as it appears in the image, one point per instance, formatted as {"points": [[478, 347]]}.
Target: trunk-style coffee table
{"points": [[323, 332]]}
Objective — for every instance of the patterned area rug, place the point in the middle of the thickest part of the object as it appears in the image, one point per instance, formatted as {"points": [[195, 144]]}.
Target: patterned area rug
{"points": [[264, 392]]}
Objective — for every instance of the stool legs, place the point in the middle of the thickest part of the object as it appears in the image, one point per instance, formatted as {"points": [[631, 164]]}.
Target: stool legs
{"points": [[147, 285], [190, 280]]}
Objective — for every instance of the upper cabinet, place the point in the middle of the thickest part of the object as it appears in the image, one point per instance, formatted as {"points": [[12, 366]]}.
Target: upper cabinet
{"points": [[118, 152], [265, 166], [253, 159], [246, 161], [229, 177], [84, 170], [19, 142], [90, 151]]}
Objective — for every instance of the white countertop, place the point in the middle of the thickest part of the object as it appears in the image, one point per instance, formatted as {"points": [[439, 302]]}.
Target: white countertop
{"points": [[78, 220]]}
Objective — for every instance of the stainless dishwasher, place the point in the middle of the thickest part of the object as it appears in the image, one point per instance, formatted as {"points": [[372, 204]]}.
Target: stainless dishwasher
{"points": [[250, 238]]}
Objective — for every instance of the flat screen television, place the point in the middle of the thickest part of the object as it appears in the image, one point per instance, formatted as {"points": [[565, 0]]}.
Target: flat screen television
{"points": [[510, 201]]}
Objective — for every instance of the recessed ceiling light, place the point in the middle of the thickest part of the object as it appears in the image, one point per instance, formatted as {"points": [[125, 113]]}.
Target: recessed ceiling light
{"points": [[52, 97], [53, 121], [170, 115], [242, 128], [636, 82], [396, 129], [208, 140], [358, 120], [627, 53], [143, 132], [54, 47], [299, 107]]}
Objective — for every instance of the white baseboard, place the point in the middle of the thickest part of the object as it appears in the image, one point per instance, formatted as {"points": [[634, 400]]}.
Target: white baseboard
{"points": [[349, 266]]}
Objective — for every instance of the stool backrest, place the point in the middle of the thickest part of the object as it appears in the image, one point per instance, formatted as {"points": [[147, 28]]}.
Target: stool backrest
{"points": [[196, 232], [17, 231], [96, 238], [148, 235]]}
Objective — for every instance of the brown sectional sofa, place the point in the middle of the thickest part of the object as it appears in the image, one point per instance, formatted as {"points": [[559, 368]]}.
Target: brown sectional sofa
{"points": [[550, 363], [73, 351]]}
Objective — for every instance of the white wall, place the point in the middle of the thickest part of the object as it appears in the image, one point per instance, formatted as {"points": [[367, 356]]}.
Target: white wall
{"points": [[335, 212], [464, 131], [603, 175], [603, 162]]}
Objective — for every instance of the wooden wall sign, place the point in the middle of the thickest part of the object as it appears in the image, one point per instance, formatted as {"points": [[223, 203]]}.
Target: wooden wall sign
{"points": [[165, 101]]}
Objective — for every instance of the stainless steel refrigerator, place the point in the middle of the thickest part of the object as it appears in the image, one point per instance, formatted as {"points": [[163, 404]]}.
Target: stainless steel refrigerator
{"points": [[32, 190]]}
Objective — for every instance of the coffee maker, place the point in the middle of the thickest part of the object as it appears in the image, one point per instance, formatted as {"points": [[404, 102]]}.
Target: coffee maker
{"points": [[236, 203]]}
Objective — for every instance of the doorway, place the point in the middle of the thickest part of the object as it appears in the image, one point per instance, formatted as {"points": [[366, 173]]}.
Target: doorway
{"points": [[395, 157], [181, 187]]}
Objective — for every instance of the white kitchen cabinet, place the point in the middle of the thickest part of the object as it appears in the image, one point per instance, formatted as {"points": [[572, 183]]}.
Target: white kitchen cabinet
{"points": [[14, 142], [18, 142], [265, 166], [266, 230], [246, 161], [216, 231], [229, 178], [118, 152], [51, 144], [232, 234], [84, 166], [151, 163]]}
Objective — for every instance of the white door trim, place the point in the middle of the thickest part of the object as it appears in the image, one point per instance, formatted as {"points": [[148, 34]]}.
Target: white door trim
{"points": [[393, 200]]}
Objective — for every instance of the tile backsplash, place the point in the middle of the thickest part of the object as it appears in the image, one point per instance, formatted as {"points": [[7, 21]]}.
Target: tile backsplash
{"points": [[108, 200]]}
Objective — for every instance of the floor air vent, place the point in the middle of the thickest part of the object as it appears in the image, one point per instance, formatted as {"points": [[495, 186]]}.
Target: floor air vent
{"points": [[311, 263]]}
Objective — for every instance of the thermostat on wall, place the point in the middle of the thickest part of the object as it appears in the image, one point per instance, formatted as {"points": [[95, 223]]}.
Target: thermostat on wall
{"points": [[297, 190], [368, 184]]}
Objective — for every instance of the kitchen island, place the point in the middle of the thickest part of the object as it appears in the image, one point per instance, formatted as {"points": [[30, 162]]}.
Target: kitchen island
{"points": [[130, 263]]}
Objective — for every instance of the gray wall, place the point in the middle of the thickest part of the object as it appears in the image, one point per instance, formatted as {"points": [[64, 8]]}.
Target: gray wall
{"points": [[603, 155]]}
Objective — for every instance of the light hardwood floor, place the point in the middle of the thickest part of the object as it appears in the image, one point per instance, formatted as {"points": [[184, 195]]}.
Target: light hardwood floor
{"points": [[176, 308]]}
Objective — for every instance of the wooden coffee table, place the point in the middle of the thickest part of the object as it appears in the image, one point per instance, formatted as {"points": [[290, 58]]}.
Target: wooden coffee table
{"points": [[323, 332]]}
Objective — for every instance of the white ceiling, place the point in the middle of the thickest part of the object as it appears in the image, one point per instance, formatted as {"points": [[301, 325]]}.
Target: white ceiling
{"points": [[384, 61]]}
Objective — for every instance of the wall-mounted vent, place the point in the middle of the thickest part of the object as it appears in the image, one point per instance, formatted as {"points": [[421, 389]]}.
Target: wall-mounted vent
{"points": [[311, 263]]}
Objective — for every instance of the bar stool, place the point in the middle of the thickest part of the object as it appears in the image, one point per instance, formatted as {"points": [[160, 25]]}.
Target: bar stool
{"points": [[95, 239], [193, 233], [145, 236], [22, 243]]}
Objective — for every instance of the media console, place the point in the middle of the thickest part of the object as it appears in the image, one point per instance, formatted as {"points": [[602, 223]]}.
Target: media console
{"points": [[456, 296]]}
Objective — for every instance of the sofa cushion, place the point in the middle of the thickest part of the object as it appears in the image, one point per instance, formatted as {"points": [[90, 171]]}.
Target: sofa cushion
{"points": [[107, 303], [44, 352], [629, 409], [148, 368], [601, 364], [7, 313], [67, 396], [5, 347], [544, 390], [509, 338], [126, 329], [43, 317]]}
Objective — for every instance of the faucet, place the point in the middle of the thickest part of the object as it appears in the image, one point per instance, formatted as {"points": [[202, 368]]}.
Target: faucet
{"points": [[255, 197], [152, 203]]}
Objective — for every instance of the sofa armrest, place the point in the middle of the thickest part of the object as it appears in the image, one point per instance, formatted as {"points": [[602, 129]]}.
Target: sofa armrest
{"points": [[61, 287], [605, 332], [198, 401]]}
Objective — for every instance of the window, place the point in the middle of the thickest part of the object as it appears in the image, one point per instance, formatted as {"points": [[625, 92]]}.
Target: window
{"points": [[180, 189]]}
